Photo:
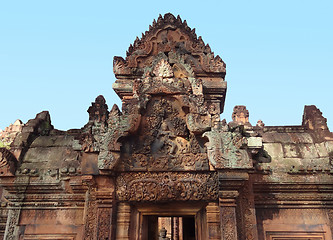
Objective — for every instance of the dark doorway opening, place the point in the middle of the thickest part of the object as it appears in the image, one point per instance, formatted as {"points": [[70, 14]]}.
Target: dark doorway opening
{"points": [[170, 227]]}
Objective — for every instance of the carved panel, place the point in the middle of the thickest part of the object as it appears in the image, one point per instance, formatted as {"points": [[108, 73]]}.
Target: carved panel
{"points": [[104, 223], [247, 214], [228, 223], [90, 227], [164, 186], [12, 222], [163, 141]]}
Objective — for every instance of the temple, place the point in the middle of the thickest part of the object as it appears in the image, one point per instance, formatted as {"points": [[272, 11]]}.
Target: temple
{"points": [[166, 166]]}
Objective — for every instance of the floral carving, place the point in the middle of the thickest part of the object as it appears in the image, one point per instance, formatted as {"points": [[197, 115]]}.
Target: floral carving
{"points": [[13, 216], [104, 223], [228, 223], [166, 186]]}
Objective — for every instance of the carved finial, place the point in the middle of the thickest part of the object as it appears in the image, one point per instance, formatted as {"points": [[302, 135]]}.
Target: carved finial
{"points": [[160, 19], [260, 123], [98, 111], [240, 115]]}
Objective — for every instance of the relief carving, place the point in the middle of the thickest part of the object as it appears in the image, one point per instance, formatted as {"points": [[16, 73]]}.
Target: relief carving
{"points": [[167, 186], [104, 223], [227, 147], [228, 223], [12, 224], [8, 163], [168, 34]]}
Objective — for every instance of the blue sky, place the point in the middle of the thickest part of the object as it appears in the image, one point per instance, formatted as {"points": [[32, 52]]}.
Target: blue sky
{"points": [[57, 55]]}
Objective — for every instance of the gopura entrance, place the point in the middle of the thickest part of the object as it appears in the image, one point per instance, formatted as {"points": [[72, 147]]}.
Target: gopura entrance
{"points": [[166, 166], [164, 148]]}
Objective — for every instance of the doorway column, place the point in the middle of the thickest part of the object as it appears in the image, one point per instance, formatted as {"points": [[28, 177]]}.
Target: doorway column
{"points": [[123, 221], [213, 221], [227, 202]]}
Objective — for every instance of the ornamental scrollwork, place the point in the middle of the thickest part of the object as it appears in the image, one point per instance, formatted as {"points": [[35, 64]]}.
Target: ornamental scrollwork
{"points": [[146, 186]]}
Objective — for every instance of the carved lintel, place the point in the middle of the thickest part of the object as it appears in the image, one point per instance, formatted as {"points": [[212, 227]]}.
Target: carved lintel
{"points": [[146, 186]]}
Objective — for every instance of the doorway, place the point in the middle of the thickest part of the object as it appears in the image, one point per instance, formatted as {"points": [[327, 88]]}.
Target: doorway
{"points": [[180, 221], [170, 227]]}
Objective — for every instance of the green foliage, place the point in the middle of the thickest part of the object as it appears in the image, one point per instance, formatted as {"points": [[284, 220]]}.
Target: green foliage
{"points": [[4, 144]]}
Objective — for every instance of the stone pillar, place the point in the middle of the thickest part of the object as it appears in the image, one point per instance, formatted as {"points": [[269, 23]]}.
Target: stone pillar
{"points": [[11, 232], [248, 213], [213, 221], [175, 228], [123, 221], [104, 211], [90, 218], [227, 202]]}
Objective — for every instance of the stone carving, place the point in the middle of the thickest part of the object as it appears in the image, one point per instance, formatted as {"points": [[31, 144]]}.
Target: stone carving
{"points": [[158, 132], [163, 186], [168, 34], [313, 120], [227, 149], [98, 111], [8, 163], [8, 135], [91, 205], [248, 215], [228, 223], [118, 126], [104, 223], [260, 124], [12, 222], [240, 114]]}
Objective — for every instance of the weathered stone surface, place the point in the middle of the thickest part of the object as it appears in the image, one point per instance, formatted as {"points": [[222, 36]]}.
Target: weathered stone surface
{"points": [[167, 158]]}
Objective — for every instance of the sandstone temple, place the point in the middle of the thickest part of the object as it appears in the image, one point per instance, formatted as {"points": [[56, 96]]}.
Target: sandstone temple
{"points": [[165, 166]]}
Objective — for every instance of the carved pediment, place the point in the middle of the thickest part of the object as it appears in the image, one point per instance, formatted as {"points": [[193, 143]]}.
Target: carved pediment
{"points": [[169, 35], [172, 89]]}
